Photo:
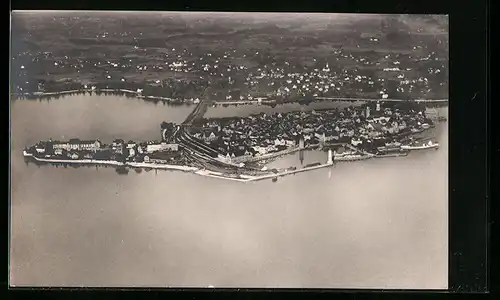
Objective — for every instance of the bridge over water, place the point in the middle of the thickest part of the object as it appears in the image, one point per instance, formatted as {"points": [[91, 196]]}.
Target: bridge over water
{"points": [[198, 112]]}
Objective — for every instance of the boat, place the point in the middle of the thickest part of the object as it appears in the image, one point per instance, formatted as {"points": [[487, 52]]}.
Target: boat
{"points": [[395, 154], [393, 145], [344, 154], [389, 149], [429, 145], [353, 157]]}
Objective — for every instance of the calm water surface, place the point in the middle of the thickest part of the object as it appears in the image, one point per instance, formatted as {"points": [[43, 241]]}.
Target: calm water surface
{"points": [[371, 224]]}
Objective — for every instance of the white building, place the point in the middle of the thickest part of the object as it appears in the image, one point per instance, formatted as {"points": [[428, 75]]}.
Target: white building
{"points": [[76, 144], [40, 149], [279, 142], [150, 148], [356, 142]]}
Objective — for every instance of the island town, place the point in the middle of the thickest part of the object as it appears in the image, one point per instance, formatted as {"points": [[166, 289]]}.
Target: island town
{"points": [[388, 77], [239, 148]]}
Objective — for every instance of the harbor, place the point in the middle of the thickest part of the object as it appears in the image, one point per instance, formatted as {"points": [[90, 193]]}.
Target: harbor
{"points": [[360, 134], [332, 158]]}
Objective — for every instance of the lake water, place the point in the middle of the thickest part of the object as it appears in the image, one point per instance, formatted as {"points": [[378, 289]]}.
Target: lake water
{"points": [[246, 110], [370, 224]]}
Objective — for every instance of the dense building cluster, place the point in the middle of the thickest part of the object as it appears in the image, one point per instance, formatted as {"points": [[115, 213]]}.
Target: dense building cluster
{"points": [[366, 127], [238, 74]]}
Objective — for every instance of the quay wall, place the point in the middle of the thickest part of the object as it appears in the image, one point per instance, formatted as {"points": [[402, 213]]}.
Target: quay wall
{"points": [[114, 163]]}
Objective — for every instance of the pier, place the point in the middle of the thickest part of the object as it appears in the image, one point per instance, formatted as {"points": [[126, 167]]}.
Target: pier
{"points": [[290, 172]]}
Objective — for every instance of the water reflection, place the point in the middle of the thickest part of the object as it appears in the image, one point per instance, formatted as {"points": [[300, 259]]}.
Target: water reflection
{"points": [[375, 223]]}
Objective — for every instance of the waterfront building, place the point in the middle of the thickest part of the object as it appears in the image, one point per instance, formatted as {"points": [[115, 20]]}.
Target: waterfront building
{"points": [[117, 146], [131, 152], [40, 149], [150, 148], [78, 145], [279, 142]]}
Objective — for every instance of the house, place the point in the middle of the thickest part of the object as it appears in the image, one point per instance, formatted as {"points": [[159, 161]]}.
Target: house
{"points": [[40, 149], [118, 142], [279, 142], [355, 142], [211, 137]]}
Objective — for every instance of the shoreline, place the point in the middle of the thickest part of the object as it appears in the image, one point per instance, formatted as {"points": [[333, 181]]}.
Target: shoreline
{"points": [[113, 163], [204, 172], [220, 102], [111, 91]]}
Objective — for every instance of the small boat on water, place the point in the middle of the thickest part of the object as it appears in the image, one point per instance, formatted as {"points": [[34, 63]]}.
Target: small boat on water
{"points": [[429, 145], [394, 154], [344, 154], [354, 157], [389, 148]]}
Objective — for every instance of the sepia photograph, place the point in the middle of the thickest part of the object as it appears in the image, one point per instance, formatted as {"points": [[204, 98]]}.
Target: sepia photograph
{"points": [[228, 150]]}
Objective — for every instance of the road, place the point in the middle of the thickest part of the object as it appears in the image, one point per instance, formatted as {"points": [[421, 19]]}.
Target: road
{"points": [[270, 101], [384, 100]]}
